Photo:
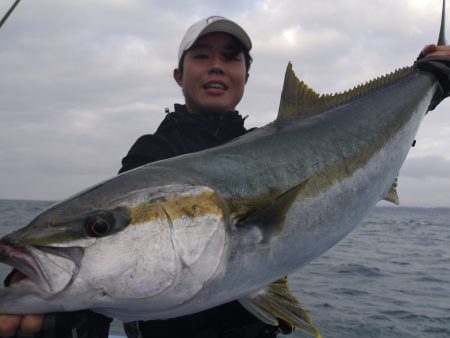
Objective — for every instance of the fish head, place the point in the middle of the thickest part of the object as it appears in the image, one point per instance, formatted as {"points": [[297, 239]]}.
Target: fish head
{"points": [[163, 243], [50, 249]]}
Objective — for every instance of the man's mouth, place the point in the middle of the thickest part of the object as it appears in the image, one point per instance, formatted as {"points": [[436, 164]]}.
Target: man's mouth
{"points": [[215, 85]]}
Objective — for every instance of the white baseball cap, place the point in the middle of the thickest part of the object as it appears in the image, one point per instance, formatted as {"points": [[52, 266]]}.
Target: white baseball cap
{"points": [[211, 25]]}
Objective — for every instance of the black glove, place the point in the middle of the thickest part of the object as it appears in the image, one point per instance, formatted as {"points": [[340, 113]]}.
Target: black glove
{"points": [[439, 66]]}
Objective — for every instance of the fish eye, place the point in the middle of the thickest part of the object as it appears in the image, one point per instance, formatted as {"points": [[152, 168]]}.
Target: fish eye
{"points": [[97, 226], [100, 223]]}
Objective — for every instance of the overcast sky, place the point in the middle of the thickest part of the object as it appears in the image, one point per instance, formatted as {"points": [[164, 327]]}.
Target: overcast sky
{"points": [[81, 80]]}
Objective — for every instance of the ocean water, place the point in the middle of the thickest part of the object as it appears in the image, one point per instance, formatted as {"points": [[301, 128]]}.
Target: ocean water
{"points": [[389, 278]]}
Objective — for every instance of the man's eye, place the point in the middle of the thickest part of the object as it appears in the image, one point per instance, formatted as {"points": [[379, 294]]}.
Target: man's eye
{"points": [[200, 56], [232, 57]]}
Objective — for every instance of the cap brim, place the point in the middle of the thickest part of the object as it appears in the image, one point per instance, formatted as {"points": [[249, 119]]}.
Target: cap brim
{"points": [[227, 26]]}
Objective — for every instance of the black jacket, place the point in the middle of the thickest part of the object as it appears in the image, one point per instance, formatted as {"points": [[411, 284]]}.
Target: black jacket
{"points": [[181, 133]]}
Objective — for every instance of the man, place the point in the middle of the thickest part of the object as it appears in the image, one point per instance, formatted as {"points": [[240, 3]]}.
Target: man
{"points": [[213, 65]]}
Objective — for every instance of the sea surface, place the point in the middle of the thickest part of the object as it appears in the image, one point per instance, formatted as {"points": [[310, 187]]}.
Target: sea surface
{"points": [[389, 278]]}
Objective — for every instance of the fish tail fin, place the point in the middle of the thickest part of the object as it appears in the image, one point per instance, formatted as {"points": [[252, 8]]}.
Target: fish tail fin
{"points": [[442, 40]]}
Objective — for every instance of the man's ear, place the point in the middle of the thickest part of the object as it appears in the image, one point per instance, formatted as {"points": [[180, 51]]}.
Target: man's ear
{"points": [[178, 76], [246, 77]]}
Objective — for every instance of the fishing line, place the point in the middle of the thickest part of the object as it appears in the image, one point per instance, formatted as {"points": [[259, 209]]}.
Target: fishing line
{"points": [[8, 13]]}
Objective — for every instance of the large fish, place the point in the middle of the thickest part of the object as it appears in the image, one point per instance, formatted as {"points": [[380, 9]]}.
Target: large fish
{"points": [[189, 233]]}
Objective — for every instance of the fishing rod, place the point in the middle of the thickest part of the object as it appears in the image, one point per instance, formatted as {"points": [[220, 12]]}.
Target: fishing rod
{"points": [[442, 40], [8, 13]]}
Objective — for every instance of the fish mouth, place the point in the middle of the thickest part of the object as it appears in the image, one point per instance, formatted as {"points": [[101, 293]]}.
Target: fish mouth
{"points": [[50, 269], [21, 259]]}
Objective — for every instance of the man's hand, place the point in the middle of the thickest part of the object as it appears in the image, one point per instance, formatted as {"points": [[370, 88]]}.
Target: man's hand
{"points": [[27, 324], [433, 50]]}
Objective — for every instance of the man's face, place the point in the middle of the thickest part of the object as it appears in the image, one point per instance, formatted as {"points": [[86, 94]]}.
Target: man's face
{"points": [[214, 74]]}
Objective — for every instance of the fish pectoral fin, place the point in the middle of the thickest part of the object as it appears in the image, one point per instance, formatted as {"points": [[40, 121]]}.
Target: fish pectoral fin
{"points": [[271, 217], [392, 195], [275, 304]]}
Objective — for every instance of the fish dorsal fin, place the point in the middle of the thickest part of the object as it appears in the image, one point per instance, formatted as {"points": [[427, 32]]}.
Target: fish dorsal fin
{"points": [[275, 304], [298, 99], [296, 95]]}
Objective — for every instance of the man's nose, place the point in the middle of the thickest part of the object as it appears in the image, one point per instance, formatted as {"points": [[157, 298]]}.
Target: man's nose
{"points": [[216, 66]]}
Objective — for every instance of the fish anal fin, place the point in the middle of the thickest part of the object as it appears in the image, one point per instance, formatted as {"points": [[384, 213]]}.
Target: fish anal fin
{"points": [[392, 195], [276, 303]]}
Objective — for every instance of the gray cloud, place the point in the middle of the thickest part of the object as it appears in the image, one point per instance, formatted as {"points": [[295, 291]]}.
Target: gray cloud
{"points": [[428, 166], [431, 192], [81, 80]]}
